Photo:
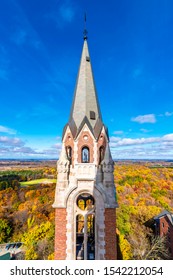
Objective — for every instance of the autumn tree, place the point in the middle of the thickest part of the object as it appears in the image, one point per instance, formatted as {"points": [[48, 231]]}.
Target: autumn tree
{"points": [[5, 230], [146, 246], [37, 238]]}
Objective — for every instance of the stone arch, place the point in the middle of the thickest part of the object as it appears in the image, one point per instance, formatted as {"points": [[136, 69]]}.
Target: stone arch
{"points": [[70, 202], [95, 191], [84, 220]]}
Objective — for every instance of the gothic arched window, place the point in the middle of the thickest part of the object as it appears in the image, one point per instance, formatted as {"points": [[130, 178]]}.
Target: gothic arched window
{"points": [[85, 201], [69, 153], [85, 154], [101, 154], [85, 227]]}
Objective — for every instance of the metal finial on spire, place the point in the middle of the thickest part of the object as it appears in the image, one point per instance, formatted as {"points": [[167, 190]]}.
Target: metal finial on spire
{"points": [[85, 30]]}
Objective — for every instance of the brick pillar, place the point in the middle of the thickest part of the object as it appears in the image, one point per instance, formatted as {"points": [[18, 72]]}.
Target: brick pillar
{"points": [[60, 233], [110, 234]]}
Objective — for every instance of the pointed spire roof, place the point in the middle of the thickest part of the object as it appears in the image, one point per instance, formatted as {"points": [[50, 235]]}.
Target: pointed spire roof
{"points": [[107, 158], [85, 102]]}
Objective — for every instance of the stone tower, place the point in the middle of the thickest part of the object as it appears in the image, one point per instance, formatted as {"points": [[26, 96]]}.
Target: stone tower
{"points": [[85, 202]]}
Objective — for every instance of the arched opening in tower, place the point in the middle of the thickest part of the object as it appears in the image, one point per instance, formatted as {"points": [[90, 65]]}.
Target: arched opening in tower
{"points": [[85, 155], [85, 228]]}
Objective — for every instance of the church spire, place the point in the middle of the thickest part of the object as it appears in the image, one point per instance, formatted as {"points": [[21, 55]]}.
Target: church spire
{"points": [[85, 107], [85, 217]]}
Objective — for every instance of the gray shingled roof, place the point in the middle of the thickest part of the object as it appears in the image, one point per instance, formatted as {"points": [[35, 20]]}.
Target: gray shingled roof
{"points": [[85, 100]]}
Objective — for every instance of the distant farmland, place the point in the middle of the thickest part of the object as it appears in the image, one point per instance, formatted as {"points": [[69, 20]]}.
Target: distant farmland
{"points": [[38, 181]]}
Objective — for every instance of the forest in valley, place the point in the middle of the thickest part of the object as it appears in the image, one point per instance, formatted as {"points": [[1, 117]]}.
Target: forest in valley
{"points": [[143, 191], [26, 214]]}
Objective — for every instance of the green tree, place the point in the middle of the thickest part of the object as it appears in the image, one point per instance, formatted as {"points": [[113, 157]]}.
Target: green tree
{"points": [[3, 185], [5, 230]]}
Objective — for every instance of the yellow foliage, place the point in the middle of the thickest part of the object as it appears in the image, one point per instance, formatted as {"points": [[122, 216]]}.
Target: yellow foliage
{"points": [[125, 248], [30, 254], [51, 257]]}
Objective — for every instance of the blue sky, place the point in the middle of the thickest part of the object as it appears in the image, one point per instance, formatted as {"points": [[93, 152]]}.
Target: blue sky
{"points": [[131, 48]]}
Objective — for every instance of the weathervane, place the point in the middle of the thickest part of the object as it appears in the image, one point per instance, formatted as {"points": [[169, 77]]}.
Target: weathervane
{"points": [[85, 31]]}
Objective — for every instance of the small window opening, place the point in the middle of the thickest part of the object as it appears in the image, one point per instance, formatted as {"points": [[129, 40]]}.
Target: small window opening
{"points": [[92, 115], [101, 154], [85, 201], [69, 153], [85, 154]]}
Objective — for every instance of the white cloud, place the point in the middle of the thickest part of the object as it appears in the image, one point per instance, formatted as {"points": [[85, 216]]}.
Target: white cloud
{"points": [[116, 142], [26, 150], [115, 139], [12, 142], [57, 146], [13, 147], [168, 137], [7, 130], [150, 118], [154, 152], [118, 132], [151, 147]]}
